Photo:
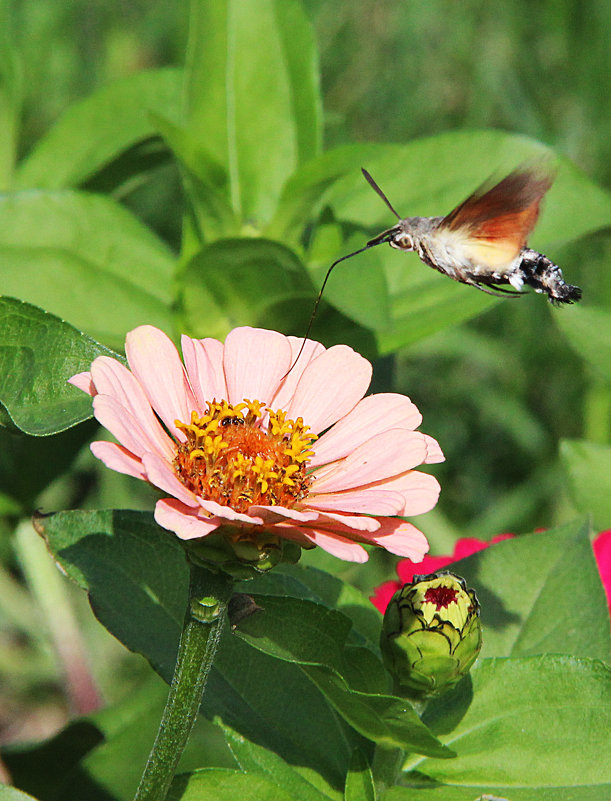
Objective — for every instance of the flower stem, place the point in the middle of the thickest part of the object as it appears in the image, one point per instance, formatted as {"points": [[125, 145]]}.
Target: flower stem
{"points": [[203, 624]]}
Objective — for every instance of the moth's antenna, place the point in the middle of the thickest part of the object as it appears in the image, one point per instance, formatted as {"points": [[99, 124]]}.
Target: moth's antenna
{"points": [[377, 189], [322, 289]]}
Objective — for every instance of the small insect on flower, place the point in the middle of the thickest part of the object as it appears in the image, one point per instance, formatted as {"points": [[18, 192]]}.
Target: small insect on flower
{"points": [[482, 242]]}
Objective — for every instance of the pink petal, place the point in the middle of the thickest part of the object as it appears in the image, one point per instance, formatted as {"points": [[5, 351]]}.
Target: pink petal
{"points": [[255, 360], [372, 415], [227, 513], [349, 524], [420, 491], [118, 458], [204, 363], [286, 390], [383, 456], [337, 546], [112, 378], [330, 386], [83, 381], [434, 454], [115, 417], [373, 502], [155, 362], [401, 538], [159, 473], [182, 520], [274, 514]]}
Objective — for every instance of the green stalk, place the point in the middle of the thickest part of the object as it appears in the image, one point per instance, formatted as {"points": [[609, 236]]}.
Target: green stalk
{"points": [[202, 628]]}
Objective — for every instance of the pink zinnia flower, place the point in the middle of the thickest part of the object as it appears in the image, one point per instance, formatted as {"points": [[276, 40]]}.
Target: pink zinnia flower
{"points": [[238, 443], [470, 545]]}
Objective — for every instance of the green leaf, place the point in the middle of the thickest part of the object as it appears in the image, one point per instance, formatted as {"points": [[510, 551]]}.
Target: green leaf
{"points": [[253, 759], [98, 129], [359, 781], [296, 631], [360, 291], [386, 720], [137, 579], [588, 330], [86, 259], [252, 89], [518, 724], [38, 353], [217, 784], [244, 282], [540, 593], [205, 183], [478, 792], [10, 96], [304, 191], [588, 469], [11, 794]]}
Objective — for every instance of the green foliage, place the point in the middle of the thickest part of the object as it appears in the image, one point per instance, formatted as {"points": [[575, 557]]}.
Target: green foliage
{"points": [[197, 197]]}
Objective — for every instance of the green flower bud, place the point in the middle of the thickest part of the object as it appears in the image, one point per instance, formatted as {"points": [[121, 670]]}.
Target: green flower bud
{"points": [[431, 634]]}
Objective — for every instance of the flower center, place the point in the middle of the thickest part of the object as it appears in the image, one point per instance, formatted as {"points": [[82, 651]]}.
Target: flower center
{"points": [[441, 596], [245, 454]]}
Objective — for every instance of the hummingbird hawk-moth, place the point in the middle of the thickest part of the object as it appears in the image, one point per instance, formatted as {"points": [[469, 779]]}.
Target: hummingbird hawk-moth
{"points": [[483, 241]]}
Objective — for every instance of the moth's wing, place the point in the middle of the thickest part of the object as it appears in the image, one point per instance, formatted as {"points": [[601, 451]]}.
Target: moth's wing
{"points": [[496, 221]]}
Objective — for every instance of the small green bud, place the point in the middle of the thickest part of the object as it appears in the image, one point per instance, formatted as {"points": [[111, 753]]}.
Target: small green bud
{"points": [[431, 634]]}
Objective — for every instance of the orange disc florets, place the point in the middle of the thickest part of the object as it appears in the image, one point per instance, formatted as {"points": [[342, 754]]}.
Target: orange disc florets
{"points": [[244, 455]]}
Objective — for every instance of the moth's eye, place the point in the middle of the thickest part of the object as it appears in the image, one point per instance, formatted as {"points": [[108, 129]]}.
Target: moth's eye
{"points": [[403, 242]]}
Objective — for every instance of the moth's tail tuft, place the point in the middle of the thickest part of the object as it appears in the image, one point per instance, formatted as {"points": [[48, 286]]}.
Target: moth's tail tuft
{"points": [[543, 275]]}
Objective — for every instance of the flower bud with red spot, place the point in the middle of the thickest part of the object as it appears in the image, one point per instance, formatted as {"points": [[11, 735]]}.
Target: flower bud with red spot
{"points": [[431, 634]]}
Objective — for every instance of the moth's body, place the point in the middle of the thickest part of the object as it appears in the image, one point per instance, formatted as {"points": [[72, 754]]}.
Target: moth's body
{"points": [[482, 242]]}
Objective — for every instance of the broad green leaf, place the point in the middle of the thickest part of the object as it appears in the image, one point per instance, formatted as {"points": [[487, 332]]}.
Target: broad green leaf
{"points": [[253, 759], [10, 96], [38, 354], [296, 630], [98, 129], [12, 794], [252, 89], [480, 792], [588, 330], [206, 184], [532, 722], [305, 190], [86, 259], [244, 282], [301, 581], [385, 719], [540, 593], [588, 468], [312, 636], [360, 291], [359, 781], [217, 784], [136, 576]]}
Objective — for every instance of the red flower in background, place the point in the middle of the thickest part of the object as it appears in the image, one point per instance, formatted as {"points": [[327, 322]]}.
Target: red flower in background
{"points": [[406, 570]]}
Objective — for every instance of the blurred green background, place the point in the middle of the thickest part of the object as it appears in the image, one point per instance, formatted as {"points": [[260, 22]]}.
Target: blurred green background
{"points": [[498, 392]]}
